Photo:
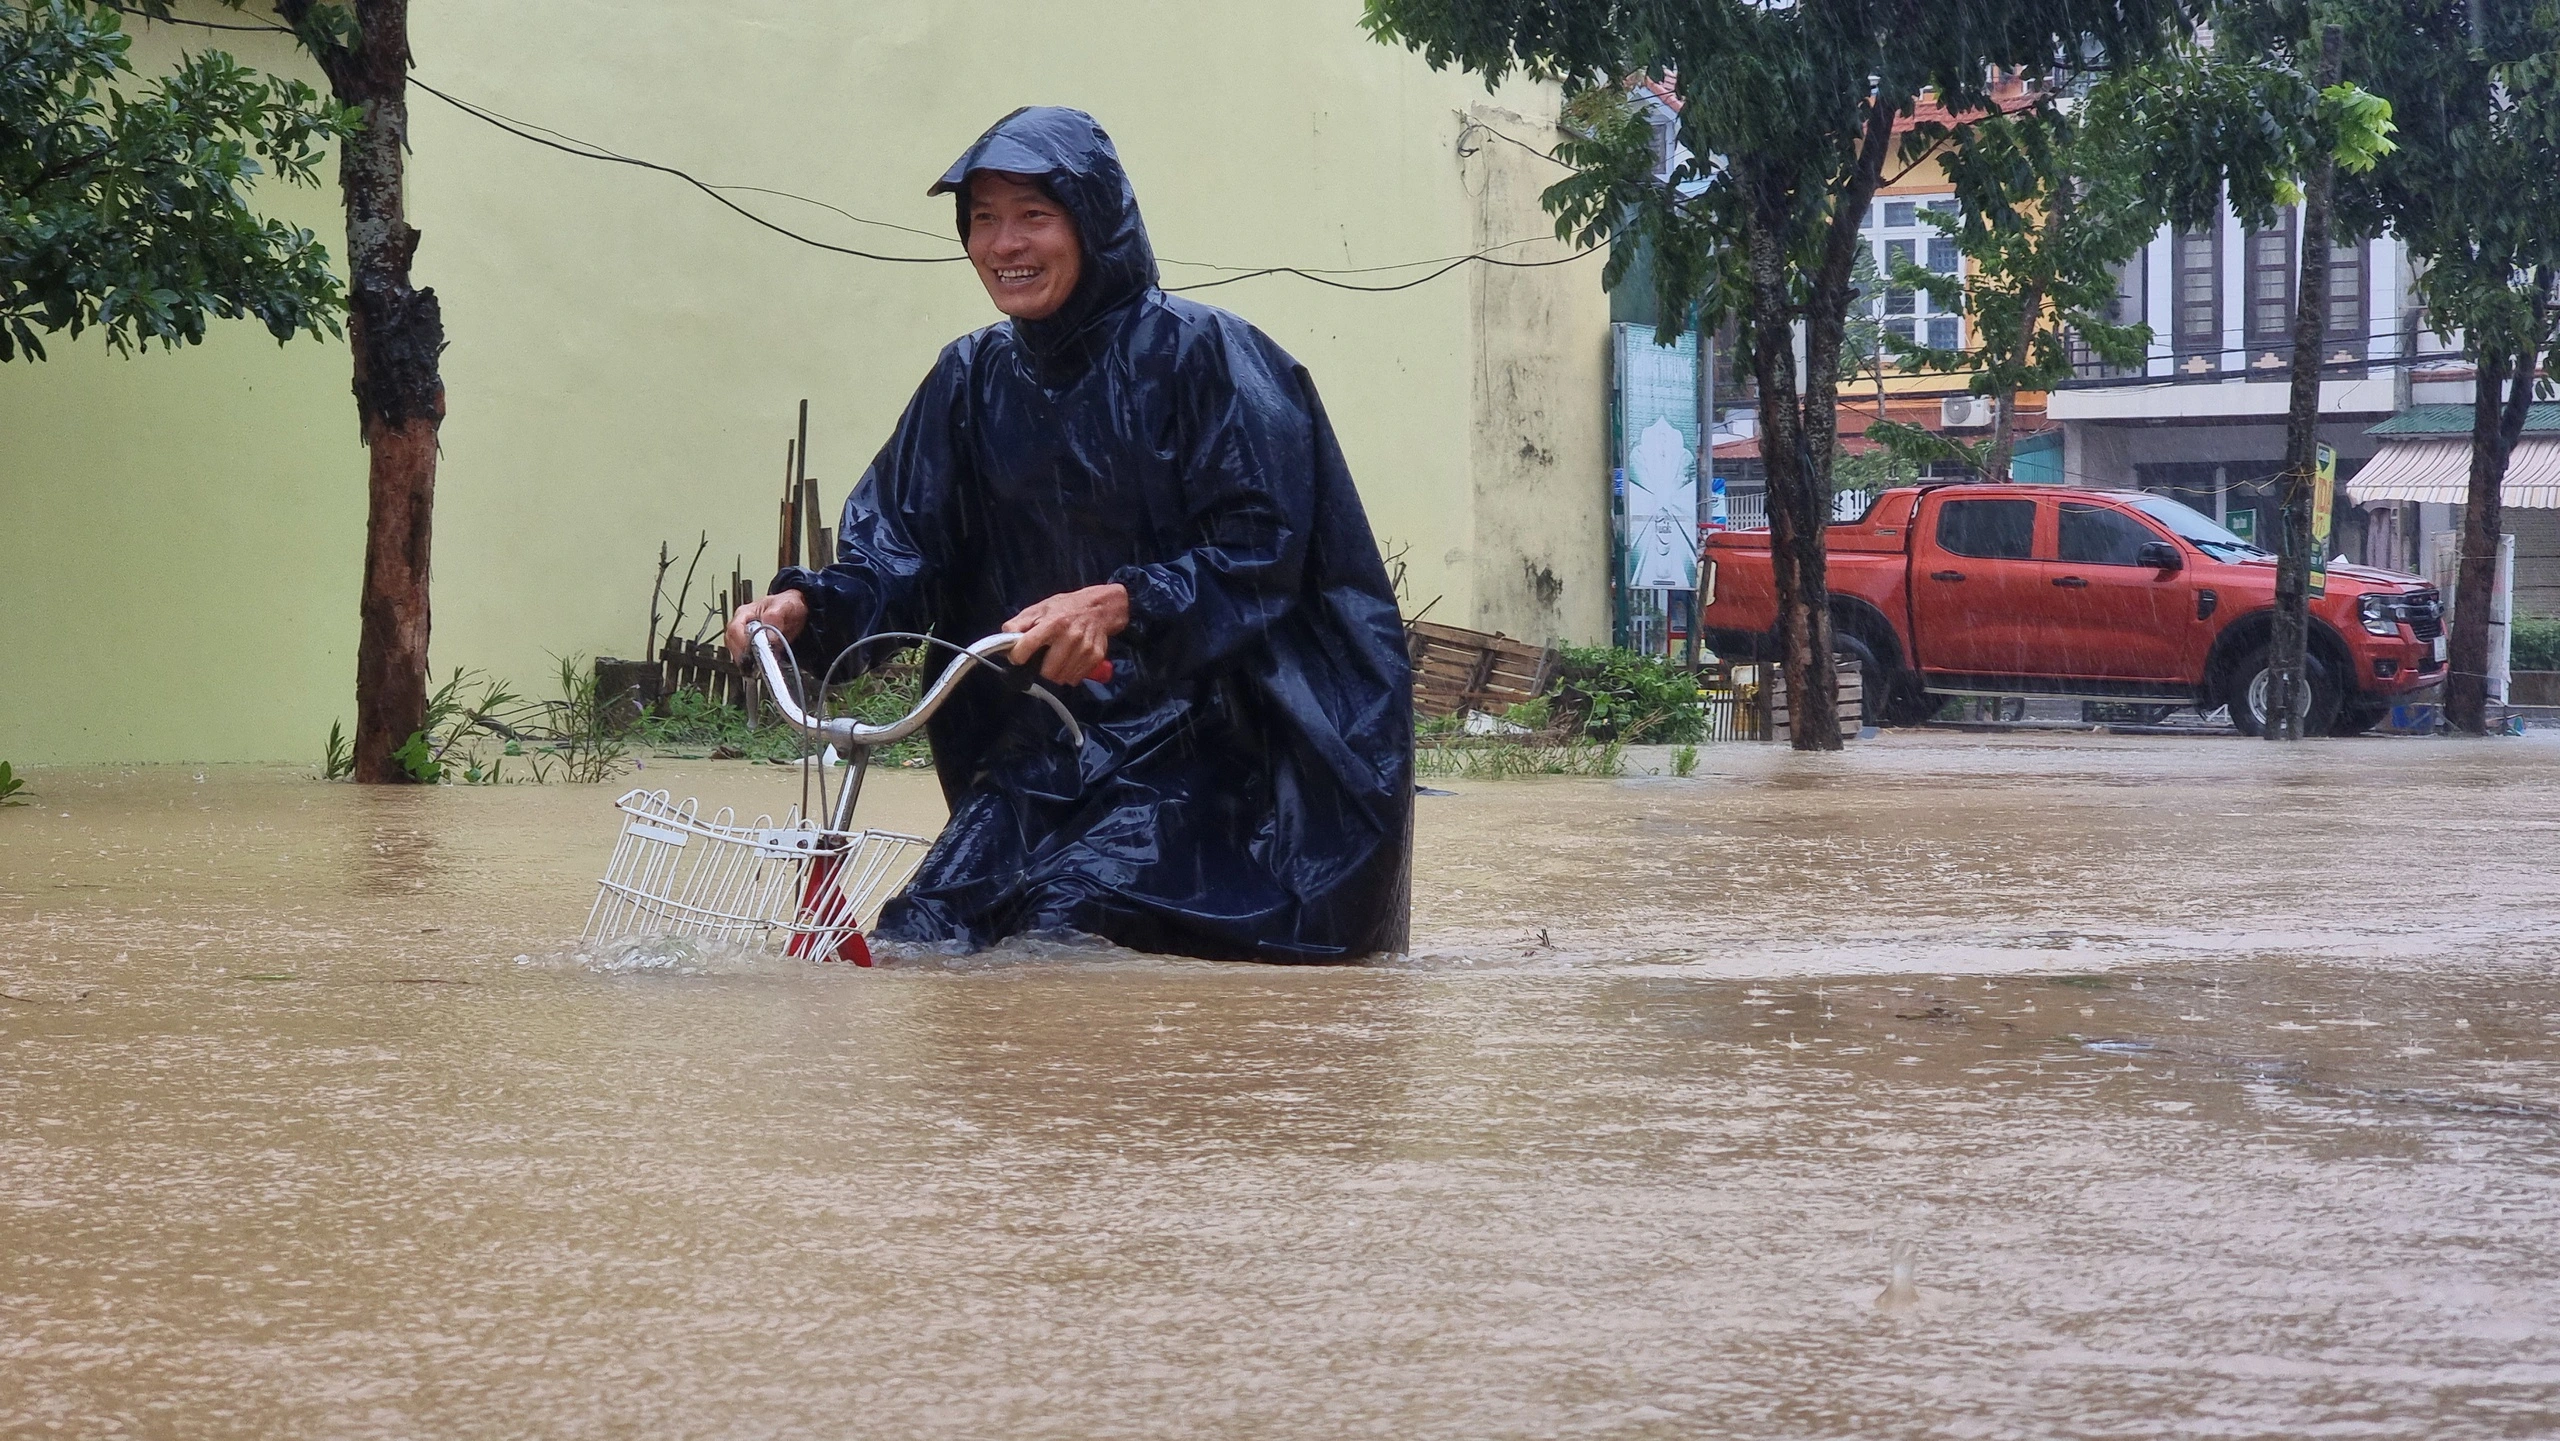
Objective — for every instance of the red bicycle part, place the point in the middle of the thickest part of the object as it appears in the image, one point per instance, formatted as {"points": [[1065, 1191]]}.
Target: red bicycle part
{"points": [[822, 909]]}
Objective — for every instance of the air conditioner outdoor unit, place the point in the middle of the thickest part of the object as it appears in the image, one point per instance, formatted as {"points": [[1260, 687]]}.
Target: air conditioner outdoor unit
{"points": [[1965, 412]]}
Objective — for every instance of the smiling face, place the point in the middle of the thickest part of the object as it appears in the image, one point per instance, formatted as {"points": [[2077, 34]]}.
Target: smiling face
{"points": [[1023, 244]]}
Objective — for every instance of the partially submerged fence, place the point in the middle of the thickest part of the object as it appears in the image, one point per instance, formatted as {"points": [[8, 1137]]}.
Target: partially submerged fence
{"points": [[1456, 670], [1851, 711]]}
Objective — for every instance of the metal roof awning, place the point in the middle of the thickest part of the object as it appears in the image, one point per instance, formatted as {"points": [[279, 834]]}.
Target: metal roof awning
{"points": [[2439, 470]]}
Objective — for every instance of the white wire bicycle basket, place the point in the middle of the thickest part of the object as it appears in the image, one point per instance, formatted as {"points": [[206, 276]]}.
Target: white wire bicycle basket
{"points": [[814, 890]]}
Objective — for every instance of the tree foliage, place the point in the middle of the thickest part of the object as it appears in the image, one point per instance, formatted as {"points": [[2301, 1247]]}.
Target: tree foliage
{"points": [[2474, 187], [2048, 205], [2473, 190], [124, 205], [2054, 194], [1787, 115]]}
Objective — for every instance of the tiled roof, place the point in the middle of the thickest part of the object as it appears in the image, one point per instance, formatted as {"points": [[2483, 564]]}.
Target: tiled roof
{"points": [[2456, 420]]}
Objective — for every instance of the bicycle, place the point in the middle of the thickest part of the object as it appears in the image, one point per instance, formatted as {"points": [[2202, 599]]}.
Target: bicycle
{"points": [[820, 888]]}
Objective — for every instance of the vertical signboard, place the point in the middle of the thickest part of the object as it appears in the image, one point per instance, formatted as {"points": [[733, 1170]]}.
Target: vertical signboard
{"points": [[2324, 500], [1657, 435]]}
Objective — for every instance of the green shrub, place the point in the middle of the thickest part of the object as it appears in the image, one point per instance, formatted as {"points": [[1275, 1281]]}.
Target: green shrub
{"points": [[2536, 643], [691, 722], [1634, 699], [582, 734], [470, 739]]}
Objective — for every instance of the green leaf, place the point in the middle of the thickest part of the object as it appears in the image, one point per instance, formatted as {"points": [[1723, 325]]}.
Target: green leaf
{"points": [[418, 761], [124, 203]]}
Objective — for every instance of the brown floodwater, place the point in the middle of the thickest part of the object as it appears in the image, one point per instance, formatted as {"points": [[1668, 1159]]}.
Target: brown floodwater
{"points": [[2202, 1087]]}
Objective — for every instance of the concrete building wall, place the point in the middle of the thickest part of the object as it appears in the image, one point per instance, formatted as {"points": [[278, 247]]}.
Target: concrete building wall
{"points": [[183, 532], [1538, 555]]}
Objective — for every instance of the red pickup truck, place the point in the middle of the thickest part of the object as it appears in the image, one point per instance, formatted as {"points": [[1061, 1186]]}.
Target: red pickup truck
{"points": [[1970, 589]]}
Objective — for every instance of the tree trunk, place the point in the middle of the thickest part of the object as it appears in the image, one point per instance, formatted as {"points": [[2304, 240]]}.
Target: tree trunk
{"points": [[2288, 674], [2497, 421], [1795, 525], [397, 335], [1800, 434]]}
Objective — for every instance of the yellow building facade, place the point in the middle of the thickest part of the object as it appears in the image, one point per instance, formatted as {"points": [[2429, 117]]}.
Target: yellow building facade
{"points": [[181, 534]]}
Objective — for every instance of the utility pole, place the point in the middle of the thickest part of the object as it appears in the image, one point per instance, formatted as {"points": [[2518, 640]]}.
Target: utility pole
{"points": [[2288, 676], [1705, 507]]}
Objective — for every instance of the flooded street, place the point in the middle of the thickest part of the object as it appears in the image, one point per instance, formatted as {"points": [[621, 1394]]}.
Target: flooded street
{"points": [[2210, 1088]]}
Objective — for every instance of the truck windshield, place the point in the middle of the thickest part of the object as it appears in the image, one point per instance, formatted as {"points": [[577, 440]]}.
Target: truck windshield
{"points": [[2195, 528]]}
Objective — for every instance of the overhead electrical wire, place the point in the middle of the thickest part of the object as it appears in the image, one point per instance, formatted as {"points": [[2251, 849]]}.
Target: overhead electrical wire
{"points": [[588, 150]]}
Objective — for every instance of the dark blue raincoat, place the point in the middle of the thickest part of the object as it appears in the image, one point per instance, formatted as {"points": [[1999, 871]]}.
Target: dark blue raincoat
{"points": [[1246, 786]]}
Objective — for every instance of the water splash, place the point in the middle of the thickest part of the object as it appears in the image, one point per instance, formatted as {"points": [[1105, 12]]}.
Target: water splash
{"points": [[1901, 1293], [666, 956]]}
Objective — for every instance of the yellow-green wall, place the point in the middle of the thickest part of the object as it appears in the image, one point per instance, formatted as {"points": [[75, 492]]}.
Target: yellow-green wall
{"points": [[181, 534]]}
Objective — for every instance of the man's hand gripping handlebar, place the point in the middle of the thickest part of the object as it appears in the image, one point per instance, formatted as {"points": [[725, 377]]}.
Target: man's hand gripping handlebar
{"points": [[844, 732]]}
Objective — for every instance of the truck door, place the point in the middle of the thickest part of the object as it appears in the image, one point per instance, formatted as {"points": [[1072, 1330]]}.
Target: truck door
{"points": [[2116, 618], [1978, 597]]}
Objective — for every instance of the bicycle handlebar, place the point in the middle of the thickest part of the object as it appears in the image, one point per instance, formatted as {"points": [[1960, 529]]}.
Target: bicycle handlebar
{"points": [[845, 733]]}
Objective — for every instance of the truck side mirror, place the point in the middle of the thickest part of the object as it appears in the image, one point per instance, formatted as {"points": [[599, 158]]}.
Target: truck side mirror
{"points": [[2159, 555]]}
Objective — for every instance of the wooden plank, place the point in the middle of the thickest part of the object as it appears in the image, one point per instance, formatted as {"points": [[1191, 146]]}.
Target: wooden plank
{"points": [[1433, 630], [809, 521], [1459, 669], [1850, 708]]}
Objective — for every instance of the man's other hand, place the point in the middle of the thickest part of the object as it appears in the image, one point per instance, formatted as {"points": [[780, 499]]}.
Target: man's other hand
{"points": [[1075, 628], [786, 611]]}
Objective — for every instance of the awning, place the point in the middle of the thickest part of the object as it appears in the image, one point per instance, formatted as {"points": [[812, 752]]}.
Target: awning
{"points": [[2439, 470]]}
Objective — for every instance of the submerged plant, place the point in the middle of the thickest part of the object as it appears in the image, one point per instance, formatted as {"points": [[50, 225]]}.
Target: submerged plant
{"points": [[339, 761], [568, 738], [1628, 696], [590, 749], [452, 722], [10, 786]]}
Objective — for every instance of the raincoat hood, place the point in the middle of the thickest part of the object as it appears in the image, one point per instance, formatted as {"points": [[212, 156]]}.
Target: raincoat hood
{"points": [[1074, 161]]}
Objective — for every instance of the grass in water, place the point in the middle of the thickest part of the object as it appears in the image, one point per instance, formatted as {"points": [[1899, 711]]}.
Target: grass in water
{"points": [[1487, 760], [1525, 740]]}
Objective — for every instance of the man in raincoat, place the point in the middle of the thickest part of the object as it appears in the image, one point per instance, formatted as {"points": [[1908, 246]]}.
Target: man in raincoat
{"points": [[1122, 474]]}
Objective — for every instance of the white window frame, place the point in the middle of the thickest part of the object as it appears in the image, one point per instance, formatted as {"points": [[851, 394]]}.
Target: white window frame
{"points": [[1879, 236]]}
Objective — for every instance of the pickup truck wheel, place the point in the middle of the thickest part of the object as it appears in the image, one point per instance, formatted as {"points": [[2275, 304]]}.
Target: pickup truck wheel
{"points": [[2249, 685]]}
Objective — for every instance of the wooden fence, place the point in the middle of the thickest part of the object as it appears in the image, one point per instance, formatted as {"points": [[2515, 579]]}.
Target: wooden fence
{"points": [[1852, 708], [1456, 670]]}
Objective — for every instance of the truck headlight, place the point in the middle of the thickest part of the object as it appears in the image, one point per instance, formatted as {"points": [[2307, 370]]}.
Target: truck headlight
{"points": [[2380, 614]]}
